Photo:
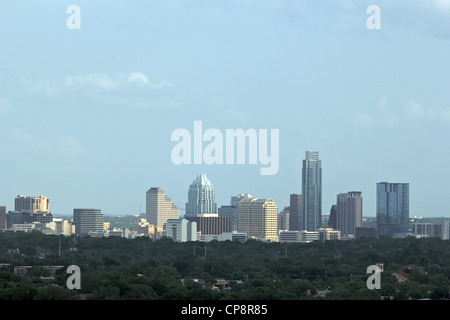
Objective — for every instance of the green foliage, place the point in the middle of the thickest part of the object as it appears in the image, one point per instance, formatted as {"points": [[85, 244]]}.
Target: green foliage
{"points": [[139, 269]]}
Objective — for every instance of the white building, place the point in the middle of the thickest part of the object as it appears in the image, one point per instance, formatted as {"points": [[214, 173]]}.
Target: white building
{"points": [[298, 236], [181, 230]]}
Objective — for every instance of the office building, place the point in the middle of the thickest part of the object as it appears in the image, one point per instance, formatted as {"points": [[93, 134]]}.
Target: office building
{"points": [[88, 221], [201, 197], [311, 191], [431, 229], [365, 232], [295, 212], [62, 226], [181, 230], [229, 211], [392, 208], [25, 217], [289, 236], [2, 217], [298, 236], [283, 219], [211, 224], [239, 197], [332, 218], [349, 212], [258, 218], [159, 207], [328, 233], [31, 204]]}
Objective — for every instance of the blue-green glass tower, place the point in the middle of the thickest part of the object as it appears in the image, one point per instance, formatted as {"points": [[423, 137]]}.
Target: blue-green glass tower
{"points": [[311, 191], [392, 208]]}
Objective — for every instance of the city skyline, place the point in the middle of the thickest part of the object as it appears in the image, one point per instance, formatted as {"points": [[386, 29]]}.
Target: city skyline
{"points": [[87, 114]]}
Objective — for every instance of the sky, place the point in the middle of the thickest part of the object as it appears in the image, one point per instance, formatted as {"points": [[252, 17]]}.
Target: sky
{"points": [[87, 114]]}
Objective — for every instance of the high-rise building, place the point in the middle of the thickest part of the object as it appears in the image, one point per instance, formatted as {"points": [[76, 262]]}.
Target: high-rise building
{"points": [[159, 207], [31, 204], [295, 212], [392, 208], [201, 198], [211, 223], [231, 210], [2, 217], [235, 199], [311, 191], [333, 217], [283, 219], [349, 212], [87, 220], [181, 230], [258, 218]]}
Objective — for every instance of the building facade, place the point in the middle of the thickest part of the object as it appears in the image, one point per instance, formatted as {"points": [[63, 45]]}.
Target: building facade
{"points": [[311, 191], [181, 230], [392, 208], [211, 224], [2, 217], [201, 197], [159, 207], [258, 218], [431, 229], [283, 219], [295, 212], [25, 217], [87, 220], [349, 212], [328, 233], [31, 204]]}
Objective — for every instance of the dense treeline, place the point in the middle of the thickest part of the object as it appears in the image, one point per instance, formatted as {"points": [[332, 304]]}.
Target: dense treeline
{"points": [[118, 268]]}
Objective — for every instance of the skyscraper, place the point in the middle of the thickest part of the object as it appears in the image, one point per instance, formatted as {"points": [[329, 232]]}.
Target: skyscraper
{"points": [[87, 220], [392, 208], [2, 217], [349, 212], [258, 218], [333, 216], [159, 207], [312, 191], [201, 198], [295, 212]]}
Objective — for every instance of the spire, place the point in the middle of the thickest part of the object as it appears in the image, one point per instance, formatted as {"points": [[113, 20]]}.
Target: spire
{"points": [[201, 180]]}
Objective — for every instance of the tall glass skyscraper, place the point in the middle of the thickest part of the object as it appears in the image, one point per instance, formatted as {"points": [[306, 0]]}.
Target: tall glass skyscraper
{"points": [[201, 198], [312, 191], [392, 208]]}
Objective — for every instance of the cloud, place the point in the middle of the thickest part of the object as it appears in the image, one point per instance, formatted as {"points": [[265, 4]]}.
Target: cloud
{"points": [[39, 86], [117, 81], [141, 78], [415, 110], [362, 120], [412, 113], [443, 5], [56, 144], [101, 80], [138, 77], [5, 106], [445, 114]]}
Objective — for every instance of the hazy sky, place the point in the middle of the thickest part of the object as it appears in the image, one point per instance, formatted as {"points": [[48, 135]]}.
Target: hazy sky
{"points": [[86, 115]]}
